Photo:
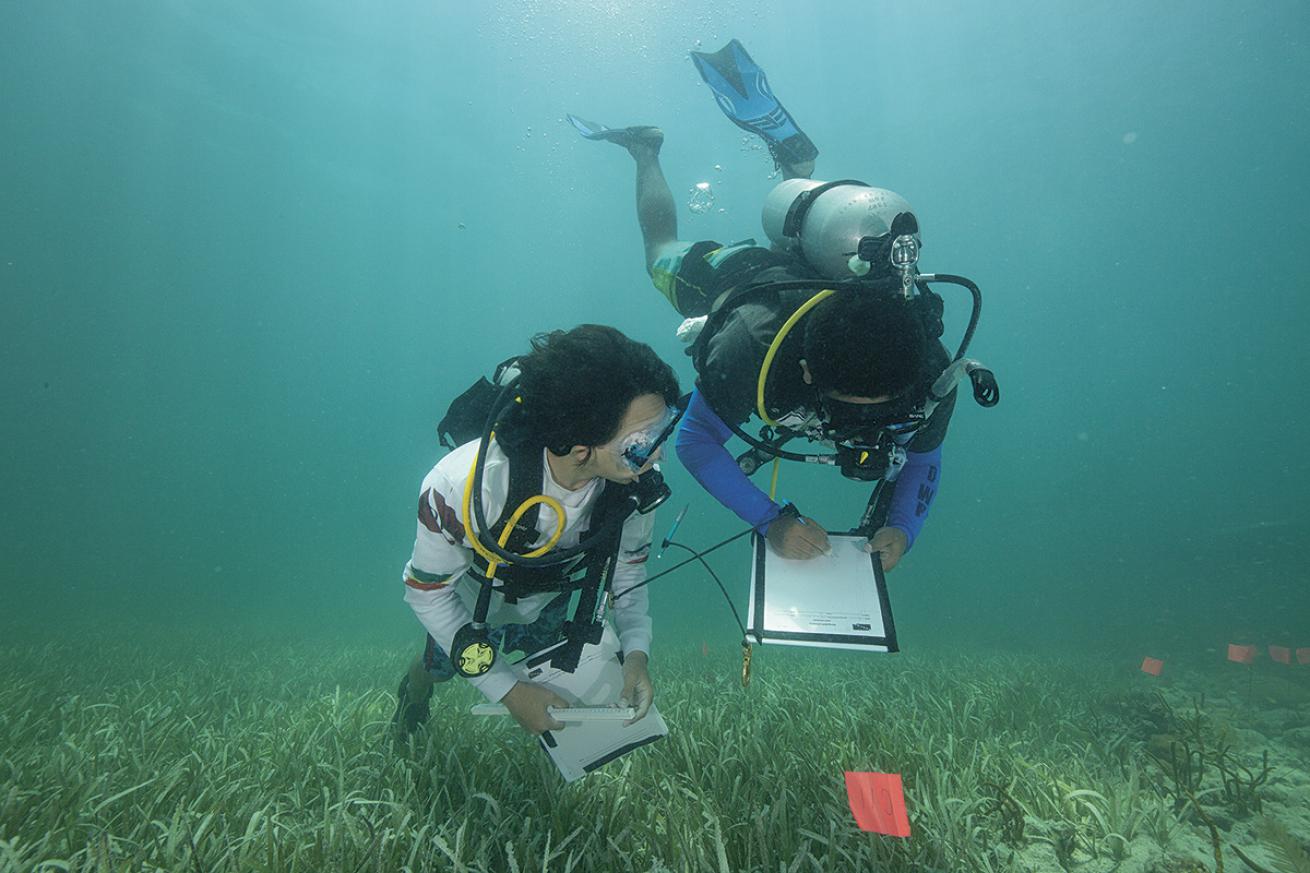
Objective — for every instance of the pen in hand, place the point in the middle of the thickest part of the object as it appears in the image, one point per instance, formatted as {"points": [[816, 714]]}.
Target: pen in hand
{"points": [[800, 518]]}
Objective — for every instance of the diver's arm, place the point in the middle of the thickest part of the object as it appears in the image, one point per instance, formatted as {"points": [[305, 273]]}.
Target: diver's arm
{"points": [[439, 561], [700, 446], [916, 487], [631, 612]]}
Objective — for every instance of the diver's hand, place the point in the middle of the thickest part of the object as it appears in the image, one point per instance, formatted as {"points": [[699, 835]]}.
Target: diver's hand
{"points": [[891, 543], [637, 690], [527, 702], [797, 537]]}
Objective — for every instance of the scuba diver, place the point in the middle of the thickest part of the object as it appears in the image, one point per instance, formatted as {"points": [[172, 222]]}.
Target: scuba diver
{"points": [[549, 490], [830, 334]]}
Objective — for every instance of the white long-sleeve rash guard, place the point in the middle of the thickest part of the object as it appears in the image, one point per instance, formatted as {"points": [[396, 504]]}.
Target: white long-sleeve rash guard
{"points": [[443, 594]]}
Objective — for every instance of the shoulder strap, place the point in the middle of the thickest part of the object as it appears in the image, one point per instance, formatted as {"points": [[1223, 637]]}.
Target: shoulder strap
{"points": [[525, 476]]}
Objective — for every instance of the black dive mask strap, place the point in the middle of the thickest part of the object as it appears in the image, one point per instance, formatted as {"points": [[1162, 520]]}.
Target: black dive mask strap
{"points": [[851, 422]]}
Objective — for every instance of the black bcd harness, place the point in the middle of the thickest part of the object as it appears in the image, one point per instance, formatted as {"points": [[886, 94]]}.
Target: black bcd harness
{"points": [[589, 571], [856, 462], [926, 304]]}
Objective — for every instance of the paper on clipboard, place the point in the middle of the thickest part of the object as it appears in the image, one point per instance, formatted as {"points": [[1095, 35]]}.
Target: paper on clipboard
{"points": [[836, 601], [581, 747]]}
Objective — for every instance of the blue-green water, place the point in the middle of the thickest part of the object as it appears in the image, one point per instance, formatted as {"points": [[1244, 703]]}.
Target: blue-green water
{"points": [[248, 251]]}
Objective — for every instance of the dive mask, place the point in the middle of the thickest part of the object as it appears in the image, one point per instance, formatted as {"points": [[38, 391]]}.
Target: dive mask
{"points": [[637, 448], [863, 422]]}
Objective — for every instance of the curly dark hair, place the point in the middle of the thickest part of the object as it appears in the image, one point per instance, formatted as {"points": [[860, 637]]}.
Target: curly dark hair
{"points": [[576, 385], [865, 344]]}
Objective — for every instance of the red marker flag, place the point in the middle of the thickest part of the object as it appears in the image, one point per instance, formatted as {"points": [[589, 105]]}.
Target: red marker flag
{"points": [[704, 648], [1303, 656], [878, 802], [1241, 654], [1281, 654], [1152, 666]]}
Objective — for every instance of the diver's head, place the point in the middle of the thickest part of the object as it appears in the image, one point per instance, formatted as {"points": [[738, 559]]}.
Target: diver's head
{"points": [[591, 394], [864, 354], [844, 230]]}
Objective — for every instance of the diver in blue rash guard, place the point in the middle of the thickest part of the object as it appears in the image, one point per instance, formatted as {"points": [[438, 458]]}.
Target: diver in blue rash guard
{"points": [[831, 381], [862, 370]]}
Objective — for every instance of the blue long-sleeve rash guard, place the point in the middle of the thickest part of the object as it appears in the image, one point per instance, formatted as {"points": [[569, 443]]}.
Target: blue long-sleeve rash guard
{"points": [[915, 489], [700, 445]]}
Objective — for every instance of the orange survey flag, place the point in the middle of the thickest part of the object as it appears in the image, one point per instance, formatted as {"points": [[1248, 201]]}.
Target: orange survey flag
{"points": [[1281, 654], [1152, 666], [1303, 656], [1241, 654], [878, 801]]}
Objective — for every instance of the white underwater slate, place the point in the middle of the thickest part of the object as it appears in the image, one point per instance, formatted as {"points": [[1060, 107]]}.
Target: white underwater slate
{"points": [[584, 746], [836, 601]]}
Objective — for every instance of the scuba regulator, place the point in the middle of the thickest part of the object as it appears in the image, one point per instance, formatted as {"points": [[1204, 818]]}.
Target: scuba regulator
{"points": [[869, 463]]}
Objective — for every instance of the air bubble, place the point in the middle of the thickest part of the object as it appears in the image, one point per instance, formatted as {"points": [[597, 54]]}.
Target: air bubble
{"points": [[701, 199]]}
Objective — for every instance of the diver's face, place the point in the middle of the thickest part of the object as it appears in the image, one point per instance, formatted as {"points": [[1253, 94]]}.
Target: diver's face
{"points": [[644, 419]]}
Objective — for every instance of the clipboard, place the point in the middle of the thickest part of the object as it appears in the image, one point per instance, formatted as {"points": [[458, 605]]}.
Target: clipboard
{"points": [[582, 747], [836, 601]]}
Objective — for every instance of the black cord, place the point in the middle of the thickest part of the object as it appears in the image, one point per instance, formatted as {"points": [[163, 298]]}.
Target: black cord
{"points": [[681, 564], [699, 556]]}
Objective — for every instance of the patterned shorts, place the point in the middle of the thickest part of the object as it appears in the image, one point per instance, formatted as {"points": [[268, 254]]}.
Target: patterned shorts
{"points": [[684, 272]]}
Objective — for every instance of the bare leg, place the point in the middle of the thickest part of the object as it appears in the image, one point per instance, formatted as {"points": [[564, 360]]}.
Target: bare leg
{"points": [[656, 212]]}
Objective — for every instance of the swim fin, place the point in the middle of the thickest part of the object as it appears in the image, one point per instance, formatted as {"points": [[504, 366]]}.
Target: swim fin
{"points": [[624, 136], [742, 90], [589, 129]]}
